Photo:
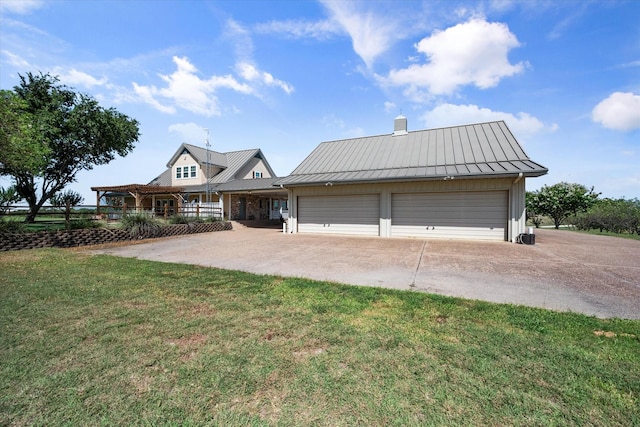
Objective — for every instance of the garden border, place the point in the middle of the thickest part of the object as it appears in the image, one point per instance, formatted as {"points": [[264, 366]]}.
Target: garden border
{"points": [[98, 236]]}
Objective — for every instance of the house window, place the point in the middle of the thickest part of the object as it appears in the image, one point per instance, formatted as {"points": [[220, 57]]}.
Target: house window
{"points": [[257, 174], [184, 172]]}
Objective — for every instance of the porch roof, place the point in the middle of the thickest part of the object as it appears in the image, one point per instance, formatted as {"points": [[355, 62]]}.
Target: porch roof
{"points": [[240, 185], [139, 189]]}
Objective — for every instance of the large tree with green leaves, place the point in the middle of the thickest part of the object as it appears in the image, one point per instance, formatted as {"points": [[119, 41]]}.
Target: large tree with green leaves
{"points": [[52, 133], [561, 200]]}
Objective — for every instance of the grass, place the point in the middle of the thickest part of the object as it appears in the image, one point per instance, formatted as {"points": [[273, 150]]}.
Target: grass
{"points": [[100, 340], [608, 233]]}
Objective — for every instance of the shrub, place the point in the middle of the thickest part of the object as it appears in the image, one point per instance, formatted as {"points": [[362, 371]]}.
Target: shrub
{"points": [[140, 224], [181, 219], [616, 216], [12, 227], [84, 223]]}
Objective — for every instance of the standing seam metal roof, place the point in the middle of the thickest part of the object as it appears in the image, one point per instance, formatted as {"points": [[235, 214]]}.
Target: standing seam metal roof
{"points": [[475, 150]]}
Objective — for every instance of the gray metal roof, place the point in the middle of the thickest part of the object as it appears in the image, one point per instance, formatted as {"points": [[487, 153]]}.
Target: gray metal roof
{"points": [[475, 150], [231, 162], [248, 185], [200, 154], [164, 179]]}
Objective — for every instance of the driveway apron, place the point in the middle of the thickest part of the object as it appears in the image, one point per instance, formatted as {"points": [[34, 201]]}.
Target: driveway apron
{"points": [[566, 271]]}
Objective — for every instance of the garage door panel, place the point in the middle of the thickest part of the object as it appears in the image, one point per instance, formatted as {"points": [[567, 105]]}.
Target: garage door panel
{"points": [[352, 214], [467, 215]]}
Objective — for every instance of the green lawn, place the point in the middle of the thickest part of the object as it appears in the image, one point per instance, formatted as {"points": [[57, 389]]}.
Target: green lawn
{"points": [[100, 340]]}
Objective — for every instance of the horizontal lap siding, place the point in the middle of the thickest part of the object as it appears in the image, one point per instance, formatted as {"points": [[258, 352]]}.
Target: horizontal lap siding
{"points": [[353, 214], [465, 215]]}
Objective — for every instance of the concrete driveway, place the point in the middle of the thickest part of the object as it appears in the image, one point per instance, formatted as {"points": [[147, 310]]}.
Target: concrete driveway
{"points": [[564, 271]]}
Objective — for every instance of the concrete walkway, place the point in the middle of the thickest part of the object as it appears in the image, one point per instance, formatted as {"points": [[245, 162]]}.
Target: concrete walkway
{"points": [[564, 271]]}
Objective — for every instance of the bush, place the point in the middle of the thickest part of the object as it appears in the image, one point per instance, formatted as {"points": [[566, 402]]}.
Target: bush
{"points": [[181, 219], [141, 224], [84, 223], [612, 215], [12, 227]]}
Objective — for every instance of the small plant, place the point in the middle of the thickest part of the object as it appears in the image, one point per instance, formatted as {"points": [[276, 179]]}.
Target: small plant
{"points": [[12, 227], [8, 197], [181, 219], [141, 224], [66, 200], [84, 223]]}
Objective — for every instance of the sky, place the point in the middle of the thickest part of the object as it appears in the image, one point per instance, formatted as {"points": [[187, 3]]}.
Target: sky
{"points": [[284, 76]]}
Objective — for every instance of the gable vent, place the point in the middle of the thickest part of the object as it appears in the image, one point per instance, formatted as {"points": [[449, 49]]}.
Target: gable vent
{"points": [[400, 125]]}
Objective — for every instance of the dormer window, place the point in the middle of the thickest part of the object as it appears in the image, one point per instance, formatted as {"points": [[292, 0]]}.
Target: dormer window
{"points": [[257, 174], [184, 172]]}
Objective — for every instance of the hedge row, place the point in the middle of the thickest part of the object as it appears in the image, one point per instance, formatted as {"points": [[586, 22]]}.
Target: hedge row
{"points": [[97, 236]]}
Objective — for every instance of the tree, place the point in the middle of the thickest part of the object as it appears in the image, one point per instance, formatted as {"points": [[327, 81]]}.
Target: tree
{"points": [[8, 196], [532, 214], [66, 200], [561, 200], [58, 133]]}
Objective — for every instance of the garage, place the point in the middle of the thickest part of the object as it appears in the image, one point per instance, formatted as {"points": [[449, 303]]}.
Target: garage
{"points": [[481, 215], [352, 214]]}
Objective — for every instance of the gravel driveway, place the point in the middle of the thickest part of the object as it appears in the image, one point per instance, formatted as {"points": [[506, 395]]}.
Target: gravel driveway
{"points": [[566, 271]]}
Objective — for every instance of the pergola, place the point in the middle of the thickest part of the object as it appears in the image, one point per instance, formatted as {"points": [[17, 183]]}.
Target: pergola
{"points": [[138, 191]]}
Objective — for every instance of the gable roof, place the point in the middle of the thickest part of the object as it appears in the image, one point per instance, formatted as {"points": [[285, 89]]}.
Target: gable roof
{"points": [[200, 154], [475, 150], [231, 163], [235, 161]]}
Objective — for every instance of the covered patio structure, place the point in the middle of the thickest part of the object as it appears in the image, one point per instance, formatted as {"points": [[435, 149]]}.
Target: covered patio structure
{"points": [[138, 197]]}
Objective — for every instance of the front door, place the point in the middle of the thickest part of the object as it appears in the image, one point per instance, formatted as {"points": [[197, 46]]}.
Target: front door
{"points": [[242, 208]]}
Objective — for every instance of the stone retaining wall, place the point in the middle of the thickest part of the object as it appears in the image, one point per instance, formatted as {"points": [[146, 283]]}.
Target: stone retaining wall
{"points": [[96, 236]]}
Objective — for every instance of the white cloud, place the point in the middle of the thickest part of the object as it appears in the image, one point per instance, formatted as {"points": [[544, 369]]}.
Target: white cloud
{"points": [[471, 53], [320, 30], [146, 95], [190, 133], [390, 107], [620, 111], [186, 90], [251, 73], [522, 124], [371, 34], [20, 6], [76, 78], [15, 60]]}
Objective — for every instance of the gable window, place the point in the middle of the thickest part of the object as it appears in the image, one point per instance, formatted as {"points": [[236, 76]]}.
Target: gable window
{"points": [[184, 172], [257, 174]]}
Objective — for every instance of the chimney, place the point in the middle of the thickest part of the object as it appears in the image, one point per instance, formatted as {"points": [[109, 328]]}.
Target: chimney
{"points": [[400, 125]]}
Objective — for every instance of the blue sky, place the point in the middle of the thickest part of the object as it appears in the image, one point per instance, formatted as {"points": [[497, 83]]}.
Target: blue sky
{"points": [[284, 76]]}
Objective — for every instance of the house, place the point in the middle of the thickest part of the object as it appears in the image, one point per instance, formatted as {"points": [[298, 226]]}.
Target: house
{"points": [[465, 182], [197, 181]]}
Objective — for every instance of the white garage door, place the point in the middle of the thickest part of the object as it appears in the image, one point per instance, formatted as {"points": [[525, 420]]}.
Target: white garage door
{"points": [[467, 215], [354, 214]]}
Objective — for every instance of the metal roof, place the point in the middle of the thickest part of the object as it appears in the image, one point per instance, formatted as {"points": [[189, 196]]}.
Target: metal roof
{"points": [[200, 154], [248, 185], [475, 150], [231, 162]]}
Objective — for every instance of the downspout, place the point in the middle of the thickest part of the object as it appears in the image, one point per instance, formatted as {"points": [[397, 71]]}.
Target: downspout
{"points": [[520, 175], [512, 222]]}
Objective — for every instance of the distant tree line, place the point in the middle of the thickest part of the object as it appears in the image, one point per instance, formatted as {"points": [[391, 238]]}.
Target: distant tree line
{"points": [[579, 206], [612, 215]]}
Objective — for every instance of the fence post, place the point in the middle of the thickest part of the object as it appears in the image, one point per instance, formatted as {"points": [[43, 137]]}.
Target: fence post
{"points": [[166, 211], [198, 210]]}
